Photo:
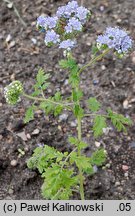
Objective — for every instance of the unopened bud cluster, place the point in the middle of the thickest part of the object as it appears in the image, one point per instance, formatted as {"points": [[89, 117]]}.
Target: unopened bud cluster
{"points": [[13, 91]]}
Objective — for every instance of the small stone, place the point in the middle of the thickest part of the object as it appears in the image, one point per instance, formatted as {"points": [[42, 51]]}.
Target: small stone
{"points": [[103, 67], [108, 165], [13, 163], [28, 136], [34, 41], [10, 5], [95, 168], [22, 135], [125, 167], [36, 131], [126, 104], [95, 82], [66, 82], [11, 44], [10, 191], [106, 130], [1, 104], [97, 144], [126, 174], [1, 137], [73, 124], [63, 117], [102, 8], [117, 183], [59, 127], [8, 38]]}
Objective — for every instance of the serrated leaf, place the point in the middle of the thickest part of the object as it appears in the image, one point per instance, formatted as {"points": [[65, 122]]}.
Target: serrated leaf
{"points": [[78, 111], [77, 95], [29, 115], [99, 124], [76, 142], [98, 157], [67, 64], [93, 104], [41, 77], [94, 49], [118, 120], [58, 110]]}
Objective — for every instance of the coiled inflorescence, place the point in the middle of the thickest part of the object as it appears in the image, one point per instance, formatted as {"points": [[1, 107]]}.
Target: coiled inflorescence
{"points": [[117, 39], [63, 28], [12, 92]]}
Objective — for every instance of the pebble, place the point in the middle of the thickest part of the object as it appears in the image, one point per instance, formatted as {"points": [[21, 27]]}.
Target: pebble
{"points": [[34, 41], [125, 167], [63, 117], [28, 136], [103, 67], [102, 8], [66, 82], [13, 163], [126, 174], [10, 191], [108, 165], [125, 104], [132, 144], [8, 38], [22, 135], [97, 144], [95, 82], [11, 44], [73, 124], [36, 131], [95, 168], [1, 137], [117, 183]]}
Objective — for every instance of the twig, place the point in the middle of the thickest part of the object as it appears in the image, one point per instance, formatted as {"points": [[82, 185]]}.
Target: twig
{"points": [[16, 12]]}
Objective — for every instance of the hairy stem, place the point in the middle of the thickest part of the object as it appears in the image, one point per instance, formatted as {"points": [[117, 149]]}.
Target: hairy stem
{"points": [[92, 61], [47, 100], [79, 153]]}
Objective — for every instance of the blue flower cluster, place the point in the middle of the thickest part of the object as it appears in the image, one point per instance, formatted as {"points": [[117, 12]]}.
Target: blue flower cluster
{"points": [[117, 39], [63, 28]]}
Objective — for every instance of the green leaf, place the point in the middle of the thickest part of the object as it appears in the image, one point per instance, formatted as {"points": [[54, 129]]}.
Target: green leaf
{"points": [[94, 49], [41, 77], [29, 115], [93, 104], [48, 107], [57, 96], [58, 110], [77, 95], [118, 120], [67, 64], [76, 142], [99, 124], [78, 111], [81, 161], [98, 157]]}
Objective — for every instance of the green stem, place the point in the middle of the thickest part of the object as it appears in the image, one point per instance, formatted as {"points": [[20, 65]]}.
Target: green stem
{"points": [[92, 61], [47, 100], [67, 158], [79, 153]]}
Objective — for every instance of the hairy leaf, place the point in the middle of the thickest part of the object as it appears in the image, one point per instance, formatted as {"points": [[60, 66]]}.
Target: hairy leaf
{"points": [[98, 157], [99, 124], [118, 120], [93, 104]]}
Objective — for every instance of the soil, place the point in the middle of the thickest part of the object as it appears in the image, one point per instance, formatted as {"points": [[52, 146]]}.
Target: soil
{"points": [[112, 80]]}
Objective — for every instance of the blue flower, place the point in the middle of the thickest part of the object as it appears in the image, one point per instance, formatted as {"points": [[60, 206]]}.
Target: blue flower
{"points": [[52, 37], [41, 20], [51, 22], [82, 14], [67, 44], [115, 38], [67, 10], [73, 25]]}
